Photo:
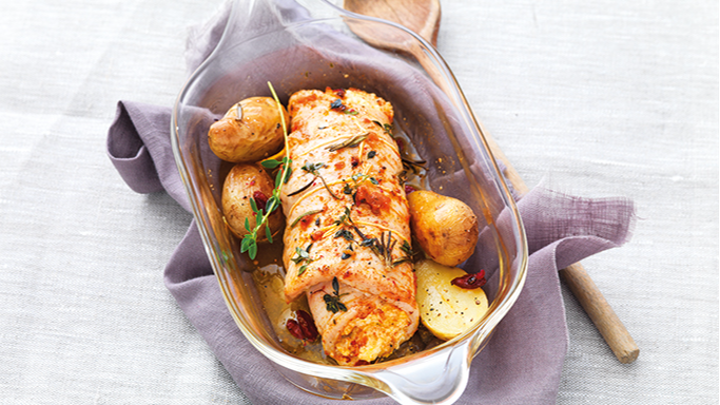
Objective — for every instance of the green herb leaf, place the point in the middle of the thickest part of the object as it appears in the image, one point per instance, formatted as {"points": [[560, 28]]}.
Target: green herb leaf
{"points": [[252, 251], [270, 164], [336, 285], [345, 234], [272, 203], [406, 248], [354, 141], [303, 215], [332, 302], [302, 255], [301, 189], [245, 244], [414, 165], [337, 103], [400, 261], [313, 167], [287, 174], [278, 179]]}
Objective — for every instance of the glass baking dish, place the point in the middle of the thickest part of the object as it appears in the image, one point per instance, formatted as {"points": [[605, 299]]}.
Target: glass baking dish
{"points": [[315, 44]]}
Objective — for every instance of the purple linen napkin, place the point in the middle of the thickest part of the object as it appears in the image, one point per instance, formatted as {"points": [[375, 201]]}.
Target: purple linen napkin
{"points": [[522, 363]]}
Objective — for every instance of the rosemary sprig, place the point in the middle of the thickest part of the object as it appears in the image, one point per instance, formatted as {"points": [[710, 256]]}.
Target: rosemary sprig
{"points": [[386, 127], [414, 165], [249, 241], [303, 215], [348, 143], [407, 249], [383, 248]]}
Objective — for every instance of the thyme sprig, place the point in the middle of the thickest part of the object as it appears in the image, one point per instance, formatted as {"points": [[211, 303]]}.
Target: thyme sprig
{"points": [[249, 241], [332, 302], [338, 105], [359, 178], [302, 255], [313, 168]]}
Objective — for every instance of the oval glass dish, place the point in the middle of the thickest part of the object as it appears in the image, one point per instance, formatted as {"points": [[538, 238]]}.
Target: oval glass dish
{"points": [[315, 44]]}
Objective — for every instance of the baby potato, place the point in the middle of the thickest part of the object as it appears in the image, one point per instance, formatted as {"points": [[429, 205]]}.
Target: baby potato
{"points": [[445, 309], [445, 227], [250, 131], [244, 182]]}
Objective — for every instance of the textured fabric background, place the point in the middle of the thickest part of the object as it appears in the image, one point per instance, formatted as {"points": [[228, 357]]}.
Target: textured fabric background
{"points": [[602, 99]]}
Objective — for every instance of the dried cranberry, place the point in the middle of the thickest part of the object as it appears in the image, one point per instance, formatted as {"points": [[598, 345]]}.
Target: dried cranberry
{"points": [[294, 328], [354, 161], [409, 189], [470, 281], [260, 199], [339, 92], [307, 325]]}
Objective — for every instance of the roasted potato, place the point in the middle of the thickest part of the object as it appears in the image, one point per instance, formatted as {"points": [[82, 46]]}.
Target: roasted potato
{"points": [[445, 309], [445, 227], [250, 131], [245, 182]]}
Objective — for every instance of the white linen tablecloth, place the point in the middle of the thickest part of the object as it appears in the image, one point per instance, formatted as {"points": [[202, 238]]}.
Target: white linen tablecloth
{"points": [[597, 99]]}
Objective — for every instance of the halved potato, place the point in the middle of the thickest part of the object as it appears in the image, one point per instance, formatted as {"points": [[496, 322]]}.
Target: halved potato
{"points": [[447, 310]]}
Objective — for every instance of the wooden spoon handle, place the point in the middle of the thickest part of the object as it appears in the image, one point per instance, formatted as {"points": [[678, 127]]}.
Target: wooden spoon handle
{"points": [[579, 282], [600, 312]]}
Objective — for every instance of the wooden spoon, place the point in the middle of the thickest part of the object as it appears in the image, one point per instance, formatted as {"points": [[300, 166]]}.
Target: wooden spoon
{"points": [[423, 17]]}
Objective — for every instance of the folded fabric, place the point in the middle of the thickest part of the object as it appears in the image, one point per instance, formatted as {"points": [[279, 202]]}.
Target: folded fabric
{"points": [[521, 364]]}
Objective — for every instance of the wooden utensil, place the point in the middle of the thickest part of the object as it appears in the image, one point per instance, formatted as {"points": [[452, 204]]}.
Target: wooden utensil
{"points": [[423, 17]]}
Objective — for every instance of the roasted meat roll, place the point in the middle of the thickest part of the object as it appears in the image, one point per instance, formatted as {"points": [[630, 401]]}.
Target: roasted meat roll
{"points": [[347, 239]]}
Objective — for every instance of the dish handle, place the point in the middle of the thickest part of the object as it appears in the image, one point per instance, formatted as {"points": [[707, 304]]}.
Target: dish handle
{"points": [[440, 378]]}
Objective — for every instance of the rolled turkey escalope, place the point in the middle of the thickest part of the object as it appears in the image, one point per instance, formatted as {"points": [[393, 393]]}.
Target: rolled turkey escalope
{"points": [[347, 240]]}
